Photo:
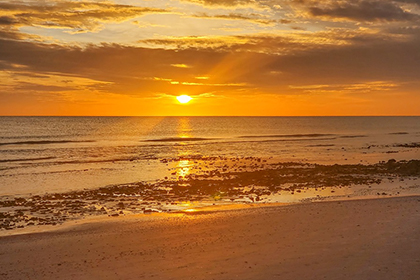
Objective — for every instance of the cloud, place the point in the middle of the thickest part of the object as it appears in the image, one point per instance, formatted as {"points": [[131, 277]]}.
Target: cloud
{"points": [[371, 59], [6, 20], [226, 3], [279, 43], [365, 11], [180, 65], [417, 2], [347, 88], [20, 77], [10, 34], [359, 10], [148, 24], [247, 64], [83, 16], [255, 18], [334, 48], [196, 42]]}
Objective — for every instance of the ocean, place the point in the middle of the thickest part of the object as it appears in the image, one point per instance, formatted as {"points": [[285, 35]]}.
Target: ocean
{"points": [[59, 154]]}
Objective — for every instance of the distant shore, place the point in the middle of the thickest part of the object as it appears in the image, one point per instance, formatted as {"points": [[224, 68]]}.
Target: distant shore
{"points": [[357, 239]]}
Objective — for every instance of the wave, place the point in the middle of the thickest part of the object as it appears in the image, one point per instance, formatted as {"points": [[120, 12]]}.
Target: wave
{"points": [[26, 159], [41, 136], [45, 142], [296, 140], [180, 139], [287, 136], [398, 133], [37, 163], [244, 139], [321, 145], [267, 141], [353, 136]]}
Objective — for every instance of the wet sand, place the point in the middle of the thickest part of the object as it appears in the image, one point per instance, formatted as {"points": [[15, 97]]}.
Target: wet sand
{"points": [[358, 239], [205, 181]]}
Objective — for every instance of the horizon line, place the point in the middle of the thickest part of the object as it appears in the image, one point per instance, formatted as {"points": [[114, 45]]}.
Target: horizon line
{"points": [[207, 116]]}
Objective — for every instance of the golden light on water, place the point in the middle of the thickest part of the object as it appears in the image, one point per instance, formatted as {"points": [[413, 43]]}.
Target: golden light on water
{"points": [[183, 168], [184, 128], [184, 98]]}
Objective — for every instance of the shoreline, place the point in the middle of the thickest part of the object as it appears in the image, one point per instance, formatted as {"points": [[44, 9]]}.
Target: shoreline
{"points": [[351, 239], [215, 181], [202, 210]]}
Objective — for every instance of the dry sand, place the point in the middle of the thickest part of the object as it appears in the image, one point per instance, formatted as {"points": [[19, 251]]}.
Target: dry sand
{"points": [[360, 239]]}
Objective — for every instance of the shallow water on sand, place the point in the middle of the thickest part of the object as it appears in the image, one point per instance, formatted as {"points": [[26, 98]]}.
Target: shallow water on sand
{"points": [[54, 169], [50, 154]]}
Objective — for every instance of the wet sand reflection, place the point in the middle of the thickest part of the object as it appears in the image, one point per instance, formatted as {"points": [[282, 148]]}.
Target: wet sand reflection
{"points": [[197, 181]]}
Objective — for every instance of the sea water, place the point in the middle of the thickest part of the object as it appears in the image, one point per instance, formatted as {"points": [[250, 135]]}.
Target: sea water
{"points": [[58, 154]]}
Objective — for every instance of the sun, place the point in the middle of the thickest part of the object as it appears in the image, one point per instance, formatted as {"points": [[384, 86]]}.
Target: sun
{"points": [[183, 98]]}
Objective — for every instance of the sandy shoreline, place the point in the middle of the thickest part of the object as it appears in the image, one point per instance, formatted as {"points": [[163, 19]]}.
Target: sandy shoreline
{"points": [[214, 181], [359, 239]]}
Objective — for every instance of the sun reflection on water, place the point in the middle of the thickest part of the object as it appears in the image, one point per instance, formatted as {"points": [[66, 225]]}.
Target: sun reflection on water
{"points": [[184, 128], [183, 168], [187, 206]]}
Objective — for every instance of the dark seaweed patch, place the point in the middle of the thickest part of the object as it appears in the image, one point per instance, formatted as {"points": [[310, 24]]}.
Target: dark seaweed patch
{"points": [[252, 182]]}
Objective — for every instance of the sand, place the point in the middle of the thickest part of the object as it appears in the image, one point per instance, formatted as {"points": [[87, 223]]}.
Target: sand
{"points": [[358, 239]]}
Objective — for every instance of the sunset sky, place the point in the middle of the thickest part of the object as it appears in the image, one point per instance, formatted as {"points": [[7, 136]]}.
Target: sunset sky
{"points": [[233, 57]]}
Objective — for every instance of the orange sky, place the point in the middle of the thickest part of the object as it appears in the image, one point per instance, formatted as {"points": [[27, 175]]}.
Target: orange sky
{"points": [[234, 57]]}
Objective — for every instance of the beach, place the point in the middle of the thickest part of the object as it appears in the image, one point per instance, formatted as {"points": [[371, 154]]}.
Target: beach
{"points": [[355, 239], [204, 139], [210, 198]]}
